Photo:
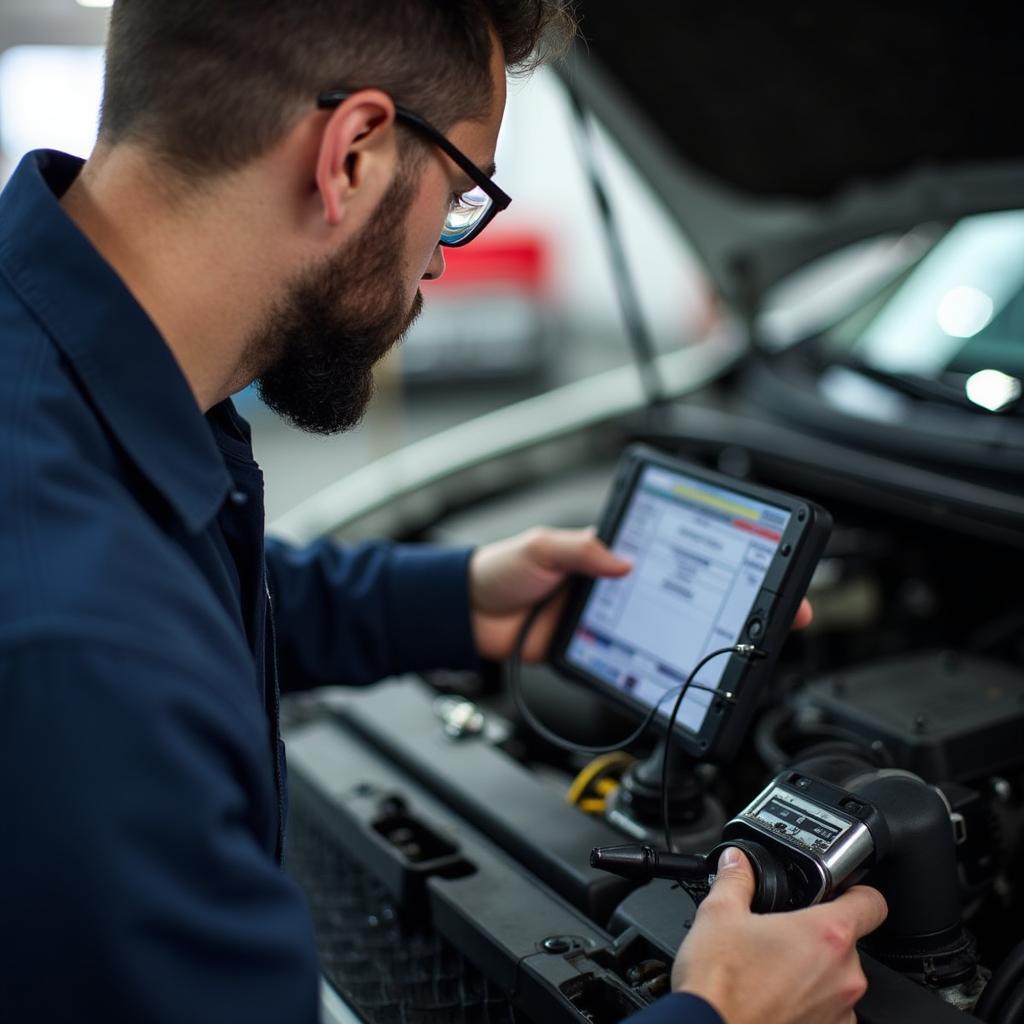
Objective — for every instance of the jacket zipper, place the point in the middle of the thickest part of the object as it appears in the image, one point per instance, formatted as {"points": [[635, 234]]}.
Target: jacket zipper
{"points": [[276, 716]]}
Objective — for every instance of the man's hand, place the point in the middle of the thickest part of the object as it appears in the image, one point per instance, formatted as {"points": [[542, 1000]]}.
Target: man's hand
{"points": [[799, 967], [507, 578]]}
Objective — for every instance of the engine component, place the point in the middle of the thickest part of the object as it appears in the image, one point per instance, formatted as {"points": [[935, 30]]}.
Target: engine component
{"points": [[923, 935], [635, 808], [944, 716]]}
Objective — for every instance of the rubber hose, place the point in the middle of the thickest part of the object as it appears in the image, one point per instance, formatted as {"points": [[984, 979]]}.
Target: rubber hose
{"points": [[1012, 1011], [1009, 973]]}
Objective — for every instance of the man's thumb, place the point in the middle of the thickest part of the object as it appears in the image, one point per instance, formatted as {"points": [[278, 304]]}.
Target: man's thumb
{"points": [[734, 880]]}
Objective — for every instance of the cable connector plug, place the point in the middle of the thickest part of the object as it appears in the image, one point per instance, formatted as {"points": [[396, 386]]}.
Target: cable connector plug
{"points": [[750, 651]]}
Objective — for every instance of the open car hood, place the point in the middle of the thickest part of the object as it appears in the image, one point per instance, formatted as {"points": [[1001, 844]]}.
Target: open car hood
{"points": [[777, 133]]}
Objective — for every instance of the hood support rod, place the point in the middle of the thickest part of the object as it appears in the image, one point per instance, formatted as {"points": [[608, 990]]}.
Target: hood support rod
{"points": [[637, 331]]}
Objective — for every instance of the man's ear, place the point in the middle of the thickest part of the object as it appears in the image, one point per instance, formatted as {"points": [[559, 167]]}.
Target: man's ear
{"points": [[358, 152]]}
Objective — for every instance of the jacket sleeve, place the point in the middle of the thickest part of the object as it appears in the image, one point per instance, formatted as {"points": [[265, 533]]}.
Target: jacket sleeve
{"points": [[139, 816], [678, 1008], [354, 614]]}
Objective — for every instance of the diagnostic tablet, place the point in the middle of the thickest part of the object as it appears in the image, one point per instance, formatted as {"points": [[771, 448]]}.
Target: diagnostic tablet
{"points": [[716, 562]]}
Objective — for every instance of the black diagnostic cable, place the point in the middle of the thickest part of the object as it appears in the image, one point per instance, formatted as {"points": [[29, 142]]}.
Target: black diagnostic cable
{"points": [[515, 684], [748, 650]]}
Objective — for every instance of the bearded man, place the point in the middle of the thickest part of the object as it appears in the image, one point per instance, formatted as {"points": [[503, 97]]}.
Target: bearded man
{"points": [[271, 182]]}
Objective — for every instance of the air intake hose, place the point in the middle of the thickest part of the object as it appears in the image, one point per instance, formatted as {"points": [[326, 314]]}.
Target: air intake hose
{"points": [[923, 936]]}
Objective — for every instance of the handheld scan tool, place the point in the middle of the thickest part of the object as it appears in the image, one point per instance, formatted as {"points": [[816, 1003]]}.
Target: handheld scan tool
{"points": [[716, 562]]}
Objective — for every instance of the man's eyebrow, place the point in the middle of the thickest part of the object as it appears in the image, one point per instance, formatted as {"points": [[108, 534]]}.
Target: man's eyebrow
{"points": [[490, 169]]}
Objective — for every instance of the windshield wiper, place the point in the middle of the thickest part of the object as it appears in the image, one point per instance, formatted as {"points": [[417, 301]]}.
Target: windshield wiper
{"points": [[914, 385]]}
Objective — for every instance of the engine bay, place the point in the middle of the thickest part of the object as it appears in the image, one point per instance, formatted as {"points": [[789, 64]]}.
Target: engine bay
{"points": [[476, 830]]}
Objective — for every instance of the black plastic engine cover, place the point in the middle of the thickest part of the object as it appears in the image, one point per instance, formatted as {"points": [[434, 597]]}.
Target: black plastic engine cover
{"points": [[944, 716]]}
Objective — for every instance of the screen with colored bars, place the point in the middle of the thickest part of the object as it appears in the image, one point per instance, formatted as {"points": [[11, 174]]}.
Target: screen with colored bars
{"points": [[700, 554]]}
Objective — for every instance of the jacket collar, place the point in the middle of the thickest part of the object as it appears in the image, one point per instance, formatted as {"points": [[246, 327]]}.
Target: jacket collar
{"points": [[116, 351]]}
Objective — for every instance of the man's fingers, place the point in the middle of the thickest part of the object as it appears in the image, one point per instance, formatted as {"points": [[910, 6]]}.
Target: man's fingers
{"points": [[868, 907], [577, 551], [862, 908], [734, 880], [804, 615]]}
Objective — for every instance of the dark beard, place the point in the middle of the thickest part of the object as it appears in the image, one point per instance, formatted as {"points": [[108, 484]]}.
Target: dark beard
{"points": [[317, 349]]}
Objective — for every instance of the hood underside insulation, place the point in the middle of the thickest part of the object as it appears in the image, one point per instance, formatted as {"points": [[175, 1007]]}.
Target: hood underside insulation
{"points": [[804, 99]]}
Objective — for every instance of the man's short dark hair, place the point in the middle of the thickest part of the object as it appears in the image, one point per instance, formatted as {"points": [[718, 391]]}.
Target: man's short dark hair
{"points": [[209, 85]]}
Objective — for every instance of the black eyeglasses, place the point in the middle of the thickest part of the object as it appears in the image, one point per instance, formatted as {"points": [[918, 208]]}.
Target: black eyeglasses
{"points": [[470, 212]]}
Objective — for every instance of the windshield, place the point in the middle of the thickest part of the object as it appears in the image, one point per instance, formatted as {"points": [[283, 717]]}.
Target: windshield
{"points": [[956, 315]]}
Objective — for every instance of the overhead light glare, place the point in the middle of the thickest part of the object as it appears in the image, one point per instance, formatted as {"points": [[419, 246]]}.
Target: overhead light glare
{"points": [[95, 3], [964, 311], [993, 389]]}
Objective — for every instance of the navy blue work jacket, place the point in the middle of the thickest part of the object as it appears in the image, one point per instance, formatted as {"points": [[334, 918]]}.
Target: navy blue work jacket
{"points": [[144, 796]]}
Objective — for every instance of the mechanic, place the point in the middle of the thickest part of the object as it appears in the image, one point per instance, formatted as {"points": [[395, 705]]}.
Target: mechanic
{"points": [[232, 226]]}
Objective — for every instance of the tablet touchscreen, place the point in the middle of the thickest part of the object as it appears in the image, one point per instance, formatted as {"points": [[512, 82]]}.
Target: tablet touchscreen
{"points": [[701, 554]]}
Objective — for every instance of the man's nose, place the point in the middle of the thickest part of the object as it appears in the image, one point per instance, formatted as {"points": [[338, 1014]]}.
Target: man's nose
{"points": [[435, 268]]}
